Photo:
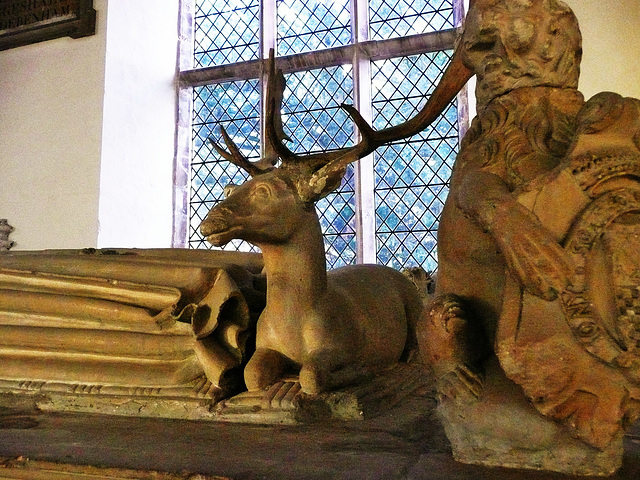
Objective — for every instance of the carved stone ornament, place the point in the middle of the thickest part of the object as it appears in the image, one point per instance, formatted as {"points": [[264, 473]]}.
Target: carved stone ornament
{"points": [[533, 332], [319, 331], [534, 329], [5, 231], [129, 332]]}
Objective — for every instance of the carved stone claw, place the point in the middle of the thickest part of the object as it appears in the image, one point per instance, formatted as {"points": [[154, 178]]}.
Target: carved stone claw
{"points": [[462, 384], [453, 347], [443, 340], [313, 380]]}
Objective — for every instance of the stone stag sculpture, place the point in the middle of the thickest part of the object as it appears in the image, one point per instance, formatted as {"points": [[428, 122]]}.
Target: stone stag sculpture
{"points": [[330, 327], [533, 332]]}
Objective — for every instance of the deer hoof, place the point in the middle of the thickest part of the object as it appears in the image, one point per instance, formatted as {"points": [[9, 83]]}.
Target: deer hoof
{"points": [[264, 369], [312, 379]]}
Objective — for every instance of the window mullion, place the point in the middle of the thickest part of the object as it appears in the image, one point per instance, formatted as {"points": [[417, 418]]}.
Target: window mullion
{"points": [[364, 173], [183, 151]]}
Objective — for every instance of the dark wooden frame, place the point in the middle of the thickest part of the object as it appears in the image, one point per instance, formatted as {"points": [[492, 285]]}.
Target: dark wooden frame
{"points": [[79, 23]]}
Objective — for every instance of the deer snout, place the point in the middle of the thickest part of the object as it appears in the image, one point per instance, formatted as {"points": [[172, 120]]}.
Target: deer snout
{"points": [[216, 222]]}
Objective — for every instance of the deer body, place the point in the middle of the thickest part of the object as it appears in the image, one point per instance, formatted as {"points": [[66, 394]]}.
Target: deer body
{"points": [[346, 322]]}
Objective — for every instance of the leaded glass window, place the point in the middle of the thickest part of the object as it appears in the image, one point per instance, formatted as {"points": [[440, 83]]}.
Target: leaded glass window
{"points": [[409, 191], [236, 106], [399, 18], [332, 52], [226, 31], [309, 25]]}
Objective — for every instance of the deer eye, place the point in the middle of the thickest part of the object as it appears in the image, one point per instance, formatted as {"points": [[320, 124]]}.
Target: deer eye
{"points": [[262, 191]]}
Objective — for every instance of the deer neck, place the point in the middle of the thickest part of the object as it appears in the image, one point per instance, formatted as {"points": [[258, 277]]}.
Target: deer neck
{"points": [[296, 269]]}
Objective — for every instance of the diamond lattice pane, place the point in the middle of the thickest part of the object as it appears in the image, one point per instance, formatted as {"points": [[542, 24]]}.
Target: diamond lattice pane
{"points": [[236, 106], [311, 112], [399, 18], [412, 176], [309, 25], [314, 121], [337, 218], [226, 31]]}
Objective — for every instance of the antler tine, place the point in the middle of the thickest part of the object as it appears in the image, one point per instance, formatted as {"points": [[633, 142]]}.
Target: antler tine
{"points": [[454, 78], [235, 156], [332, 164], [274, 129]]}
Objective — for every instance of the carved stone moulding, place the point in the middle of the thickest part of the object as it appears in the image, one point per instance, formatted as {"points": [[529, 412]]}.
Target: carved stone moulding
{"points": [[191, 401], [5, 231], [284, 403]]}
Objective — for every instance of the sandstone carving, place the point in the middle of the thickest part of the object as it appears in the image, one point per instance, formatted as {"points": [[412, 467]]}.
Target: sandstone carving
{"points": [[132, 332], [332, 328], [5, 231], [534, 326]]}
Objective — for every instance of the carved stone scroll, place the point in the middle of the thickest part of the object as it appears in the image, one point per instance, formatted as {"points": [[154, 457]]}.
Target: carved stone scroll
{"points": [[81, 329]]}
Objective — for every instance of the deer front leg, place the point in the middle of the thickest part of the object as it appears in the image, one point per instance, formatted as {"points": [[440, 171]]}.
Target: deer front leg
{"points": [[531, 253], [329, 371], [265, 368]]}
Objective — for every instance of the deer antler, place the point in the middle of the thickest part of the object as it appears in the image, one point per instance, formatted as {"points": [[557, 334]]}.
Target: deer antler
{"points": [[454, 78], [328, 167], [235, 156], [331, 164]]}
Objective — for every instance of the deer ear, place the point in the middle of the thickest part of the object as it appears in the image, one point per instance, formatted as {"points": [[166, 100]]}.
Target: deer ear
{"points": [[321, 184]]}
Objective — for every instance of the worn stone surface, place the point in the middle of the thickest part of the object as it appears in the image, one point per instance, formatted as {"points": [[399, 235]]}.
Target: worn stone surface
{"points": [[126, 323], [22, 468], [526, 439], [406, 442]]}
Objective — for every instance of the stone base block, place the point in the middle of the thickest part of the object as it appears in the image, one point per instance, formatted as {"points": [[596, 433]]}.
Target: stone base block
{"points": [[501, 429]]}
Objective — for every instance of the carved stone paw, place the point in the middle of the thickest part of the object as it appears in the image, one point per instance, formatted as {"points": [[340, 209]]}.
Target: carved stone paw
{"points": [[313, 380], [447, 338], [264, 369], [462, 384]]}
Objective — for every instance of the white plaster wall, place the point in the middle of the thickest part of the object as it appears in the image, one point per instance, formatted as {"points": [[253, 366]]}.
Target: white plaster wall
{"points": [[136, 178], [50, 139], [611, 46]]}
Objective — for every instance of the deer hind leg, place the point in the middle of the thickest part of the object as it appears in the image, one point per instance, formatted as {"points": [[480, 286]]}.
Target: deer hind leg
{"points": [[330, 370], [265, 368]]}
